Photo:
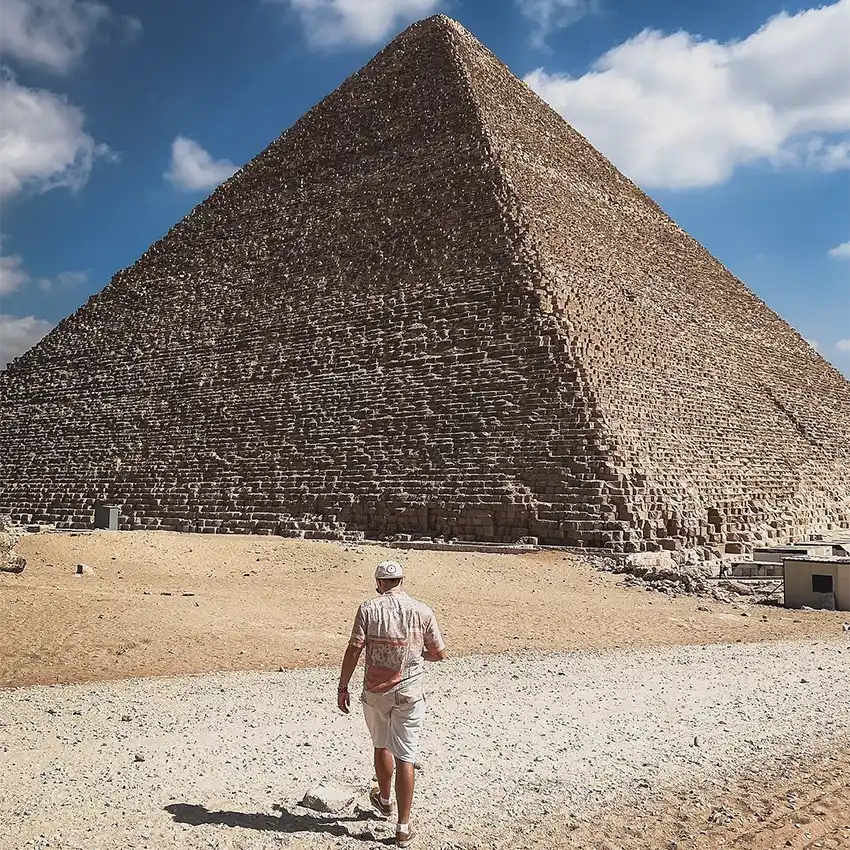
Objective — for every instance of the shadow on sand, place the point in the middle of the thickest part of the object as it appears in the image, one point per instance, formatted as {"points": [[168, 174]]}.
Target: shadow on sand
{"points": [[286, 821]]}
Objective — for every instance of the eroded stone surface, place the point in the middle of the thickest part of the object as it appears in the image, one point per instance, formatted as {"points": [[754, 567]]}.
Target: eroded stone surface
{"points": [[431, 307], [10, 560]]}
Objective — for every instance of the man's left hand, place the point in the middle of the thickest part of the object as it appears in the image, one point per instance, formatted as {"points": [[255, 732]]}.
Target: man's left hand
{"points": [[343, 701]]}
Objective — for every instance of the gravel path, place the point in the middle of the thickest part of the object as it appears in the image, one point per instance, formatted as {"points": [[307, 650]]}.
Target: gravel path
{"points": [[509, 739]]}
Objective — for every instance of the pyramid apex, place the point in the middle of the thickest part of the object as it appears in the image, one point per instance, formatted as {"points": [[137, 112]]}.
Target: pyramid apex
{"points": [[443, 21]]}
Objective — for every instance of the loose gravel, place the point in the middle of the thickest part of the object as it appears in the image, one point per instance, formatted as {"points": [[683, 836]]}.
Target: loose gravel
{"points": [[221, 761]]}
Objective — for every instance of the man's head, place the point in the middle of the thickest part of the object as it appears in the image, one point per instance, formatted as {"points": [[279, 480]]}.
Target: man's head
{"points": [[388, 574]]}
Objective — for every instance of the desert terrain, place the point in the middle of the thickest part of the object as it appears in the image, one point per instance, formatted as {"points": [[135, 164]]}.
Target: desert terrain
{"points": [[181, 693], [160, 603]]}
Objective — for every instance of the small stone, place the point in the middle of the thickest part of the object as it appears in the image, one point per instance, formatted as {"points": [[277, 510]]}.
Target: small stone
{"points": [[85, 570], [12, 562], [696, 740], [125, 718], [328, 798], [138, 757]]}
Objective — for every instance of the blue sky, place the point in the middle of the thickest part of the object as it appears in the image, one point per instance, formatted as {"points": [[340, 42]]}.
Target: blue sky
{"points": [[116, 118]]}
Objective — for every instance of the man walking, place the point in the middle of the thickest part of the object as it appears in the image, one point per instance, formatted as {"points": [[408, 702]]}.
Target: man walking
{"points": [[399, 635]]}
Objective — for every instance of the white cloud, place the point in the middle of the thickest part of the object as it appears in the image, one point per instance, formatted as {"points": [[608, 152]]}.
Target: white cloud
{"points": [[192, 168], [680, 111], [54, 34], [42, 141], [840, 252], [843, 345], [12, 273], [19, 334], [547, 16], [332, 23]]}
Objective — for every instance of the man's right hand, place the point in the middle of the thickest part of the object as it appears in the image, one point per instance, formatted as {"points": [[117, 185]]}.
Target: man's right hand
{"points": [[343, 701], [434, 655]]}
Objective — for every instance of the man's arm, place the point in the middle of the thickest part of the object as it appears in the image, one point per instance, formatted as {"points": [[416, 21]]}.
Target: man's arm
{"points": [[435, 647], [349, 663]]}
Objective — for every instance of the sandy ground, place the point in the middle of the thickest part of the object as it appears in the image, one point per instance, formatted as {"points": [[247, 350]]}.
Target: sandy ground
{"points": [[520, 751], [262, 603], [797, 801]]}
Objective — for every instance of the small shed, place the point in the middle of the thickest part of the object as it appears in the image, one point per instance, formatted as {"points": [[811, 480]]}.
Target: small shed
{"points": [[817, 583]]}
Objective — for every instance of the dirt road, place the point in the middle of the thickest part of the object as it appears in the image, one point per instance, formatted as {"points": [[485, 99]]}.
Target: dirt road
{"points": [[517, 748]]}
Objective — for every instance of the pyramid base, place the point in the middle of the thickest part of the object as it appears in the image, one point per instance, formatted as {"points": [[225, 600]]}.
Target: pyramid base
{"points": [[474, 527]]}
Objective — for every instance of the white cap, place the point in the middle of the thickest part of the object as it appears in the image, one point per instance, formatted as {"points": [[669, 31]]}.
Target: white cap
{"points": [[389, 570]]}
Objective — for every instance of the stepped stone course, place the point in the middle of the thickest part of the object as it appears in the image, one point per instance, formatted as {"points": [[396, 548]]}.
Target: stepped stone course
{"points": [[431, 307]]}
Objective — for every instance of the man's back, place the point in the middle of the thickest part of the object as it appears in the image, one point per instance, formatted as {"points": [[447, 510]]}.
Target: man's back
{"points": [[395, 630]]}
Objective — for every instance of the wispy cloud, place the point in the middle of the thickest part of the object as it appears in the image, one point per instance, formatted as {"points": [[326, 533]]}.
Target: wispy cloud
{"points": [[18, 334], [337, 23], [13, 275], [193, 169], [679, 111], [54, 34], [62, 282], [840, 252], [549, 16]]}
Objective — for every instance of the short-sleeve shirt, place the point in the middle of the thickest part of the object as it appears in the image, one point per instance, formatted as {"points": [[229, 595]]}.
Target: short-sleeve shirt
{"points": [[395, 628]]}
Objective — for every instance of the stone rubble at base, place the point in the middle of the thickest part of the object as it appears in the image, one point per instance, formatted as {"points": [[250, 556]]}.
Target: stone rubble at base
{"points": [[10, 560]]}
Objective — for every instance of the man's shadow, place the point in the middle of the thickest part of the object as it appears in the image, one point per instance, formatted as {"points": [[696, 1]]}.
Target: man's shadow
{"points": [[285, 822]]}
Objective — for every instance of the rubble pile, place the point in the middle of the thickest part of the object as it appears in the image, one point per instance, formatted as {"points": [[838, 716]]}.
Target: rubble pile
{"points": [[699, 578]]}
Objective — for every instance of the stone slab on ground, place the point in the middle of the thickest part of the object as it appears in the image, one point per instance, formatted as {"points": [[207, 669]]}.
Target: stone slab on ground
{"points": [[329, 798]]}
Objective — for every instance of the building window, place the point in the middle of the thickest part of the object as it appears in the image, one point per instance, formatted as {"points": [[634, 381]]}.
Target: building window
{"points": [[821, 584]]}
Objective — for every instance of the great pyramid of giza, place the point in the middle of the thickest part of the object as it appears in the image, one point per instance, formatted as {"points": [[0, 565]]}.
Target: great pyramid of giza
{"points": [[431, 307]]}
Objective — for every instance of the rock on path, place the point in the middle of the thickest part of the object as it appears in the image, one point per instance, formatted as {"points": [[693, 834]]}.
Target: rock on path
{"points": [[227, 758]]}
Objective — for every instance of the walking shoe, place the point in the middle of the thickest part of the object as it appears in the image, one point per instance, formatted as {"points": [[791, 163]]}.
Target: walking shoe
{"points": [[405, 839], [377, 805]]}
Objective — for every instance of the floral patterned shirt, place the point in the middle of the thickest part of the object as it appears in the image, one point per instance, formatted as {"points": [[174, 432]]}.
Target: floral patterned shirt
{"points": [[395, 629]]}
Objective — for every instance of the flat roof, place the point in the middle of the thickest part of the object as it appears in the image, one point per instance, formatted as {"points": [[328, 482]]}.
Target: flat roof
{"points": [[812, 560]]}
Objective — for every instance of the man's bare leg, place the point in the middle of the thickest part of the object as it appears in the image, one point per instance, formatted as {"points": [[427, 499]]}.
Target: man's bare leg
{"points": [[404, 789], [384, 763]]}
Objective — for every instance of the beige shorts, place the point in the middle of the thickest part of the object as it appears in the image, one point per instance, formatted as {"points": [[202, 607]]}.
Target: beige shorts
{"points": [[394, 723]]}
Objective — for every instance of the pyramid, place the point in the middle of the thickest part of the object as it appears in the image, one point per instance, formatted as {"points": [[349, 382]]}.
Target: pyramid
{"points": [[432, 308]]}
